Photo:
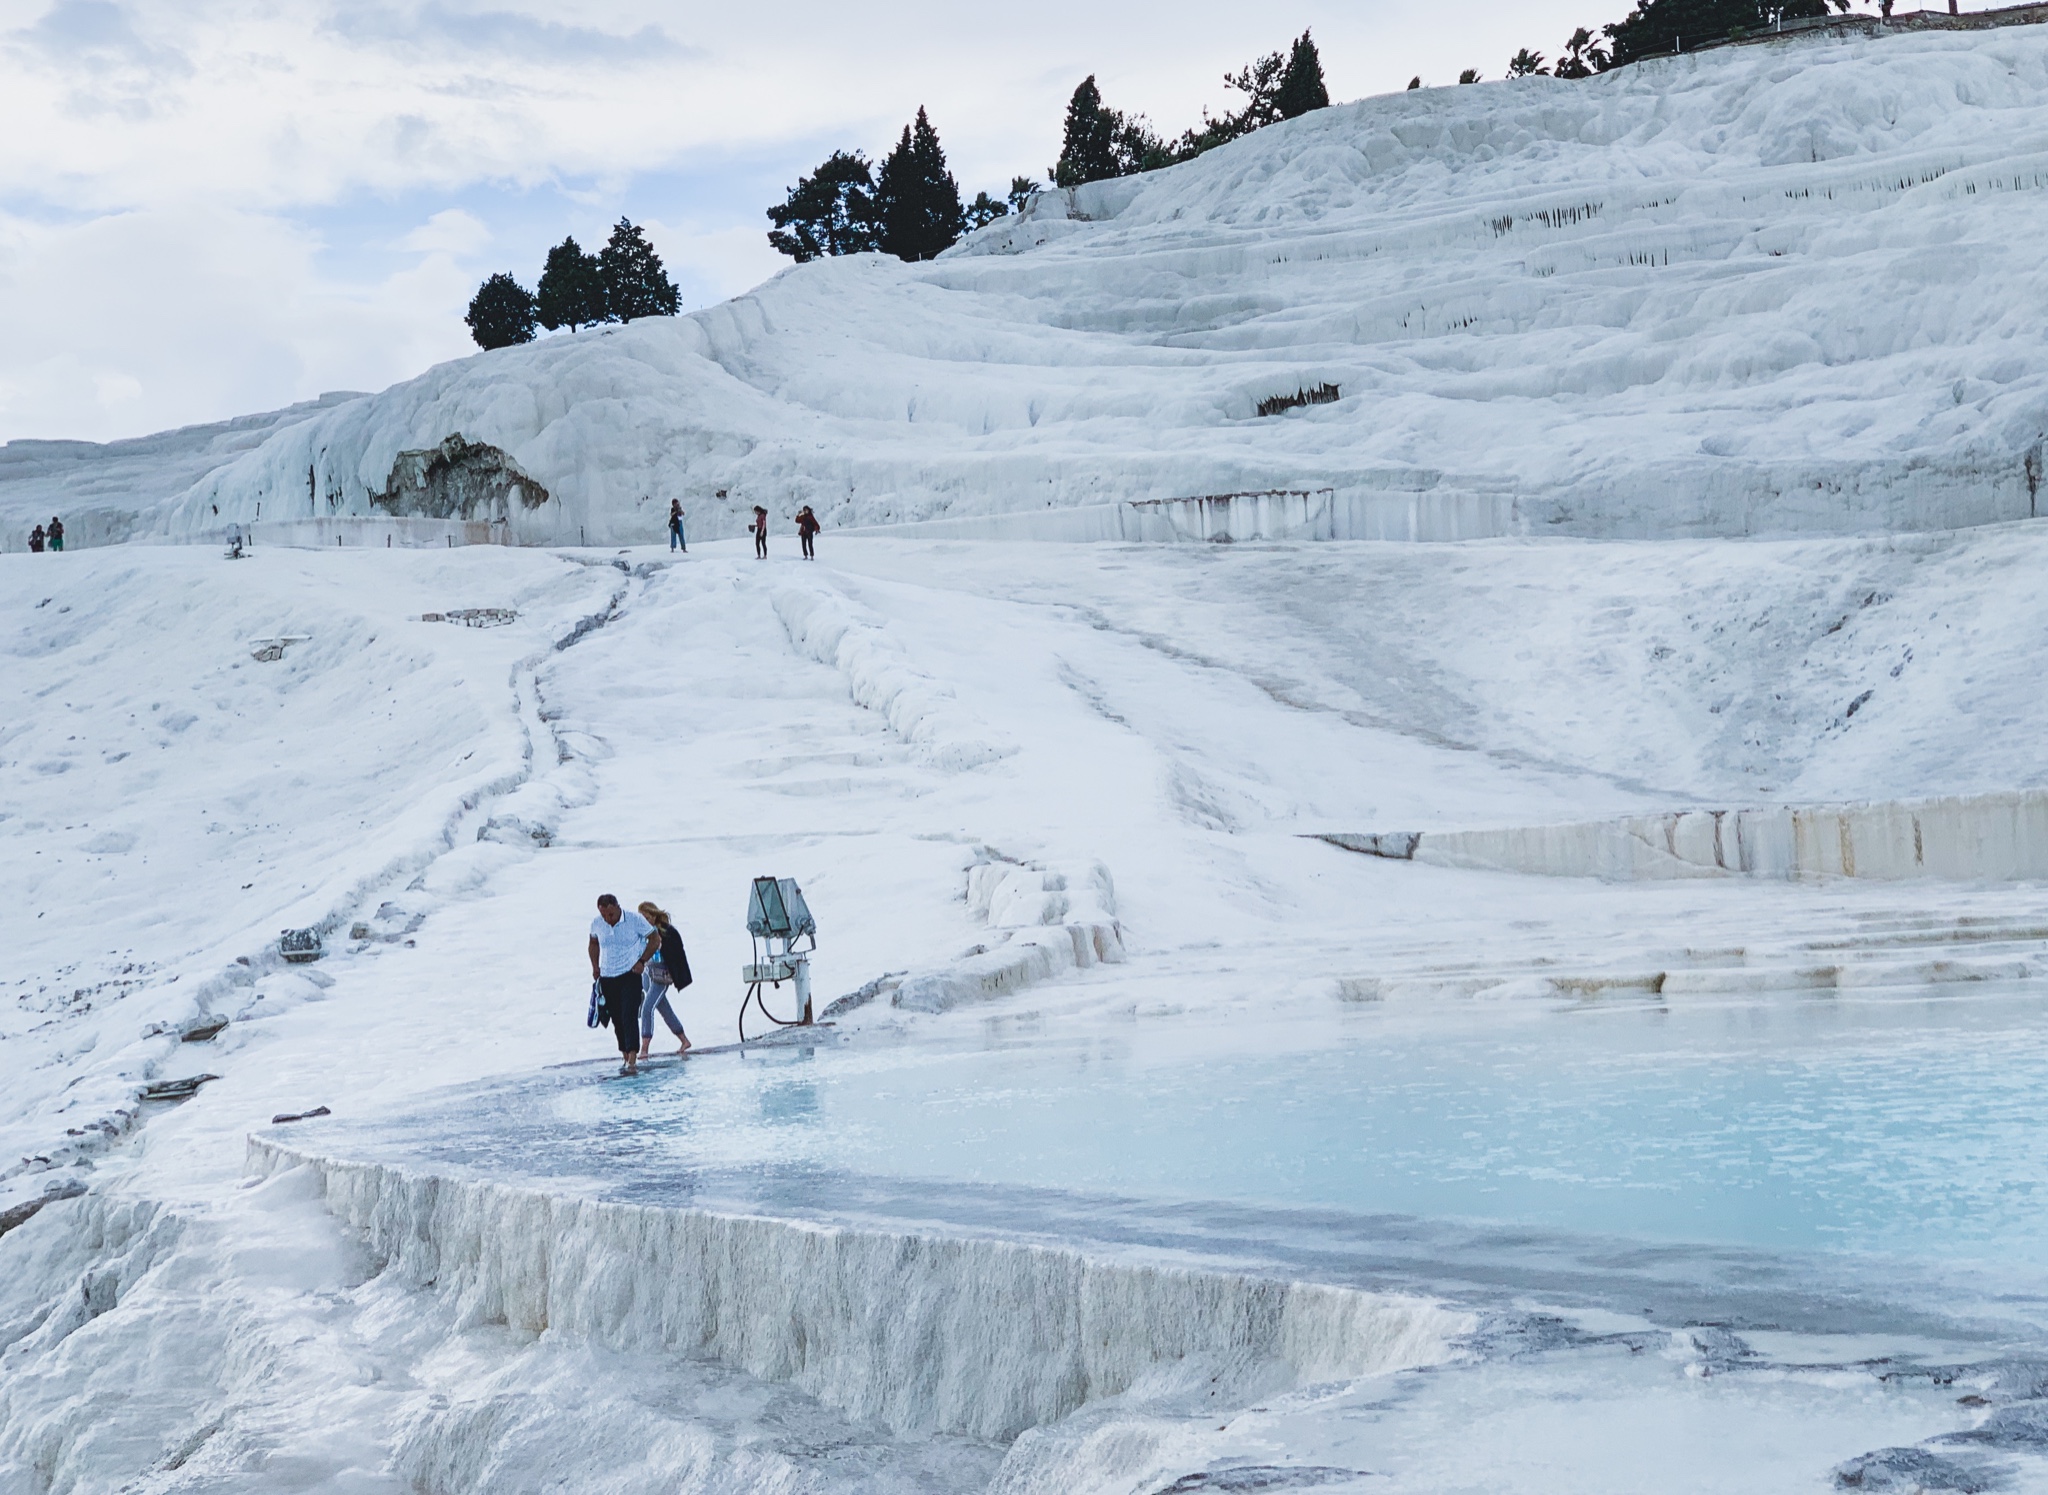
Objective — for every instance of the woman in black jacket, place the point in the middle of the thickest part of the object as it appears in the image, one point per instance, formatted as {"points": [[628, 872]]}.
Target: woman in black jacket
{"points": [[670, 970]]}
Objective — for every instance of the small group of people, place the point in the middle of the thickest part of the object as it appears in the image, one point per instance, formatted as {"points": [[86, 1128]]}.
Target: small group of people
{"points": [[807, 528], [636, 960], [52, 538]]}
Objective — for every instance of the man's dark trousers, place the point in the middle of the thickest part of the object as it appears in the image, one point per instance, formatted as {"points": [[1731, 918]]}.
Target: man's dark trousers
{"points": [[622, 1001]]}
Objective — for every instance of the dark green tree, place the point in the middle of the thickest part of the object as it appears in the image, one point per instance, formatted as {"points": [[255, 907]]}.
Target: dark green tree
{"points": [[1583, 57], [1526, 64], [831, 211], [1138, 149], [1021, 188], [1088, 150], [571, 290], [1470, 75], [918, 201], [1301, 86], [635, 285], [1415, 83], [1658, 27], [983, 211], [1259, 81], [501, 313]]}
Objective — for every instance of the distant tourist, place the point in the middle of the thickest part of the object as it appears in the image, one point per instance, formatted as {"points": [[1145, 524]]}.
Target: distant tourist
{"points": [[621, 945], [56, 534], [676, 541], [760, 533], [668, 971], [806, 527], [35, 540]]}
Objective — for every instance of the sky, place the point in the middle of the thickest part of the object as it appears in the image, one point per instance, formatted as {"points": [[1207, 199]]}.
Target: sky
{"points": [[214, 207]]}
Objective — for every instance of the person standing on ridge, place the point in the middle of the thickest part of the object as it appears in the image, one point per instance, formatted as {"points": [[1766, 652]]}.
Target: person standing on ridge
{"points": [[668, 971], [806, 527], [676, 541], [621, 944], [760, 533], [56, 534], [35, 540]]}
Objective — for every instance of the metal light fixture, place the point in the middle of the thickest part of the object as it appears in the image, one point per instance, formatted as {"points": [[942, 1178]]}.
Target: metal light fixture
{"points": [[779, 919]]}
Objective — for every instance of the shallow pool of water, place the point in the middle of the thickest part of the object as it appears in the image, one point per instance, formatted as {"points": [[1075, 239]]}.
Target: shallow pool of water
{"points": [[1917, 1126], [1906, 1125]]}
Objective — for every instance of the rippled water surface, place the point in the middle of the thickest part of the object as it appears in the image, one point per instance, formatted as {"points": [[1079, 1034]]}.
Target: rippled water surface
{"points": [[1909, 1124]]}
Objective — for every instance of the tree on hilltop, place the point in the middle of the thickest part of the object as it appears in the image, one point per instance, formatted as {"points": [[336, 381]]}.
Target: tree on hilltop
{"points": [[831, 211], [918, 201], [635, 285], [1097, 142], [571, 291], [502, 313], [1021, 188], [1657, 27], [980, 213], [1583, 57], [1301, 86], [1259, 81], [1088, 142], [1526, 64]]}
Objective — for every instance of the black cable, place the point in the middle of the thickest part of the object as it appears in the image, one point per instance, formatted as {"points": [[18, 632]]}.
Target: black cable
{"points": [[754, 996]]}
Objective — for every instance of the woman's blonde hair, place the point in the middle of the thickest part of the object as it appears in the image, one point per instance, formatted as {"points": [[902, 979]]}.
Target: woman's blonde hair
{"points": [[653, 915]]}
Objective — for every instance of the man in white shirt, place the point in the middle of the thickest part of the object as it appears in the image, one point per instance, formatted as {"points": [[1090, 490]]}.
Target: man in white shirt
{"points": [[621, 944]]}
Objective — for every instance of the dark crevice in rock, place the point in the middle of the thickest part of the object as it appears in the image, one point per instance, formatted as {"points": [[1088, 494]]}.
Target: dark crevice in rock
{"points": [[459, 479]]}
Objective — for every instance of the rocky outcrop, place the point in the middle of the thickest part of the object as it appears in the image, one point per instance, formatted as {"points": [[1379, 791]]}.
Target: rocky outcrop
{"points": [[458, 479]]}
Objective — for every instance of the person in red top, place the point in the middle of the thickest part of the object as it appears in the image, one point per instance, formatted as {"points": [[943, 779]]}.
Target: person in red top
{"points": [[760, 528], [806, 526]]}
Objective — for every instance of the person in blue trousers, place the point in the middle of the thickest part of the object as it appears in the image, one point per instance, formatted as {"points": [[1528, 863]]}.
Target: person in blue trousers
{"points": [[668, 971], [676, 540]]}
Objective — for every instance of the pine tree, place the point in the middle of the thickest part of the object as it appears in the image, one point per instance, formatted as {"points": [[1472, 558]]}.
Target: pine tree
{"points": [[1088, 147], [831, 211], [917, 199], [1526, 64], [502, 313], [1259, 82], [635, 285], [1415, 83], [980, 213], [1021, 188], [1470, 75], [571, 291], [1301, 86], [1138, 149]]}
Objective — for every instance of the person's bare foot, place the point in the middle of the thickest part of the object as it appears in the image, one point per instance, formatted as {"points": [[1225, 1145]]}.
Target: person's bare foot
{"points": [[685, 1047], [630, 1067], [643, 1054]]}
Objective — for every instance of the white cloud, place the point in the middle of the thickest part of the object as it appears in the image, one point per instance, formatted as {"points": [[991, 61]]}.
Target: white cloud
{"points": [[162, 317], [452, 231]]}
